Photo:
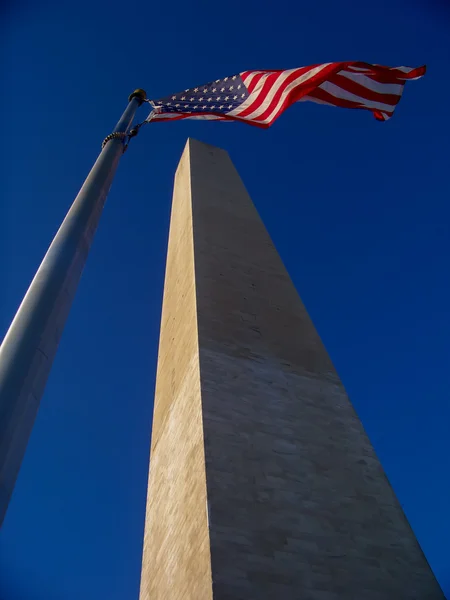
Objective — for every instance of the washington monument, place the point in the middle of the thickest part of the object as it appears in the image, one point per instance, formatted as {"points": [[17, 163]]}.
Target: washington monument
{"points": [[263, 484]]}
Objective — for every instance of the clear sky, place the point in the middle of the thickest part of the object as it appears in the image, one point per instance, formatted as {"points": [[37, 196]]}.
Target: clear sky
{"points": [[358, 209]]}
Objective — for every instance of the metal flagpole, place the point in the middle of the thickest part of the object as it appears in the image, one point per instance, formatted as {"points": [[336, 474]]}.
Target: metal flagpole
{"points": [[30, 345]]}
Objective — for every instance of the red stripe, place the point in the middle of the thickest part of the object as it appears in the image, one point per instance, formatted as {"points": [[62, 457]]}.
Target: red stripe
{"points": [[360, 90]]}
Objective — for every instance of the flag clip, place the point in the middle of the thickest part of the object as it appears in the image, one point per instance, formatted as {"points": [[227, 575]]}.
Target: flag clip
{"points": [[117, 135], [120, 135]]}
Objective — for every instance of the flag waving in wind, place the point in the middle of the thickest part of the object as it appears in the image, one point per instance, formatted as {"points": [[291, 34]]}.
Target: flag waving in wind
{"points": [[259, 97]]}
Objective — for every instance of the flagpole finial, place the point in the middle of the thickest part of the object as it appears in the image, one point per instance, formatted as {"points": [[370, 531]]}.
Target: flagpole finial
{"points": [[140, 94]]}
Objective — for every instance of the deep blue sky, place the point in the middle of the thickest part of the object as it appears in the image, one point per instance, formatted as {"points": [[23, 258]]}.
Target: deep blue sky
{"points": [[359, 211]]}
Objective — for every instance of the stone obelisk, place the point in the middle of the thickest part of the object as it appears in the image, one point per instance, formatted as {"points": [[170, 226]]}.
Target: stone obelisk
{"points": [[263, 484]]}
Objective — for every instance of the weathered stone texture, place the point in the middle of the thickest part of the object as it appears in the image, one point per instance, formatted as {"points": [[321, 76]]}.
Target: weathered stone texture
{"points": [[176, 559], [299, 506]]}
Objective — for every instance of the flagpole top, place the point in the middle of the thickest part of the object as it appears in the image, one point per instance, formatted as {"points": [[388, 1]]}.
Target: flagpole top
{"points": [[140, 94]]}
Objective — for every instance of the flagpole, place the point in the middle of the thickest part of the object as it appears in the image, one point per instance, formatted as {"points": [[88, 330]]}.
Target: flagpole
{"points": [[29, 346]]}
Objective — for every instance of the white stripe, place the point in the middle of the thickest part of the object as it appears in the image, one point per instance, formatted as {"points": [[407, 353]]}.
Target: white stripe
{"points": [[153, 117], [317, 101], [249, 78], [168, 116], [205, 117], [291, 86], [312, 99], [359, 69], [403, 69], [208, 117], [338, 92], [375, 86]]}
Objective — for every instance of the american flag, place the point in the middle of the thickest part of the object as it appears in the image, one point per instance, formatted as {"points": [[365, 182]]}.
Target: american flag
{"points": [[259, 97]]}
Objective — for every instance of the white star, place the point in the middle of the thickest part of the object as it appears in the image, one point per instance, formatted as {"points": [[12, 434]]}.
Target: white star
{"points": [[183, 98], [195, 89], [231, 87], [195, 106], [226, 79], [214, 89], [200, 99], [173, 97], [213, 107], [169, 103], [230, 106], [222, 89], [186, 90], [209, 99], [220, 107], [234, 97], [226, 98], [205, 90], [186, 105], [177, 105], [217, 80], [242, 96], [218, 97], [191, 99], [204, 107], [239, 86], [234, 77]]}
